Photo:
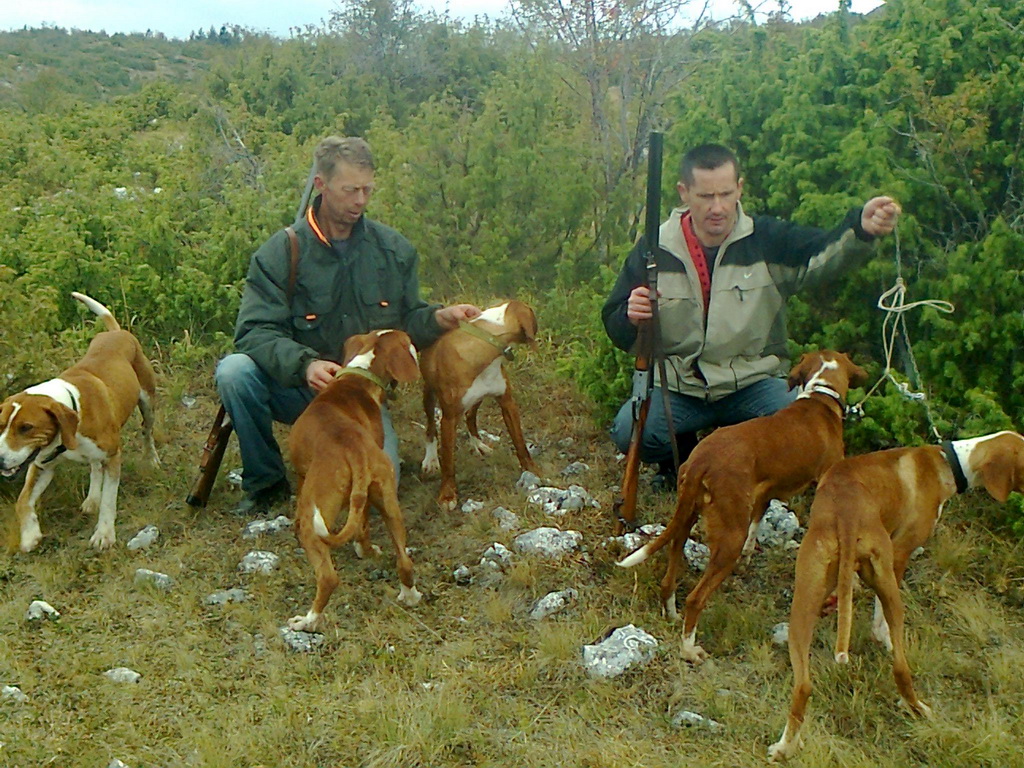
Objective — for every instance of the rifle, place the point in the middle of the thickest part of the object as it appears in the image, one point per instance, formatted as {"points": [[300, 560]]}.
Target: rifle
{"points": [[648, 351], [217, 440]]}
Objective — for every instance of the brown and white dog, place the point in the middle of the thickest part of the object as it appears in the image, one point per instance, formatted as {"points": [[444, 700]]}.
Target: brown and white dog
{"points": [[336, 447], [735, 471], [79, 416], [460, 369], [869, 514]]}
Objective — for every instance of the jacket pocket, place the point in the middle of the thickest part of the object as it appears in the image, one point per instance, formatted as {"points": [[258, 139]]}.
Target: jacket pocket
{"points": [[381, 296]]}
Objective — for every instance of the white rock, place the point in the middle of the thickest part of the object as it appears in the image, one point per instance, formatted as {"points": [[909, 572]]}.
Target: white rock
{"points": [[123, 675], [780, 634], [259, 561], [693, 720], [225, 596], [630, 542], [235, 477], [144, 538], [507, 521], [553, 602], [470, 506], [696, 554], [13, 693], [115, 763], [548, 542], [576, 468], [40, 609], [624, 648], [157, 579], [261, 527], [496, 556], [489, 436], [301, 642], [778, 525], [527, 481], [462, 576]]}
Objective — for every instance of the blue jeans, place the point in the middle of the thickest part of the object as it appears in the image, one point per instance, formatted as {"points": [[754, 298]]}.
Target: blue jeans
{"points": [[691, 414], [254, 401]]}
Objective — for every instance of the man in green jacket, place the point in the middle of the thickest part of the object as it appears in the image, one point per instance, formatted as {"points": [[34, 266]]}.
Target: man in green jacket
{"points": [[354, 275], [723, 281]]}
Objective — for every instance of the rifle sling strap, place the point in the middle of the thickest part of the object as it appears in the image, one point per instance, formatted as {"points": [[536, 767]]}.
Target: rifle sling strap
{"points": [[293, 268]]}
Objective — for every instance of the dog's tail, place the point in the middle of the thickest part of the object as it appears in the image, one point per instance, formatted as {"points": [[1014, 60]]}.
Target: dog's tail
{"points": [[680, 526], [844, 602], [357, 502], [109, 321]]}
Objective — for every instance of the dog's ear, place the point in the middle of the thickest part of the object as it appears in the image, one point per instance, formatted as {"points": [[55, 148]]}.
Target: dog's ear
{"points": [[355, 345], [855, 375], [67, 423], [1001, 470], [805, 367], [526, 319], [400, 358]]}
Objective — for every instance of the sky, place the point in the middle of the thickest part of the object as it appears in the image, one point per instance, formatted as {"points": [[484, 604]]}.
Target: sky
{"points": [[180, 17]]}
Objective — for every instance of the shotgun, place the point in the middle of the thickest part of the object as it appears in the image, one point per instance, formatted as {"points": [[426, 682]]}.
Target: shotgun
{"points": [[648, 348], [217, 440]]}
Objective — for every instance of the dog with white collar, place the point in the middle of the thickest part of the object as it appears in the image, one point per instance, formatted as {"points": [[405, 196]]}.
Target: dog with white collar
{"points": [[79, 416], [460, 369], [735, 471], [869, 514]]}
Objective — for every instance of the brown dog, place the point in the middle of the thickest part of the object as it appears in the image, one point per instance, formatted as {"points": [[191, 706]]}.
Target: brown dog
{"points": [[336, 447], [79, 416], [734, 472], [869, 514], [459, 370]]}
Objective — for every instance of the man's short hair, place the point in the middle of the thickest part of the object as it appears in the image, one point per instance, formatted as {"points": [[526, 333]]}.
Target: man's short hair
{"points": [[336, 149], [707, 157]]}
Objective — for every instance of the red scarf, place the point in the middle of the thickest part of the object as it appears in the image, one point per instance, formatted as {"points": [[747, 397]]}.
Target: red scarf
{"points": [[700, 261]]}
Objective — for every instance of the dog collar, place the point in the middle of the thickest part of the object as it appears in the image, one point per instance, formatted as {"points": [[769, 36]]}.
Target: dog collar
{"points": [[365, 374], [494, 341], [954, 464], [56, 389]]}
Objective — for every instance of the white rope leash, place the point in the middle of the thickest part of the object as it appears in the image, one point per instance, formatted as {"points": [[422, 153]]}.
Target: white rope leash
{"points": [[893, 303]]}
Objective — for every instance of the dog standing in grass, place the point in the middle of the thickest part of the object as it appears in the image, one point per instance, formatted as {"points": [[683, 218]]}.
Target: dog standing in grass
{"points": [[337, 449], [869, 514], [459, 370], [735, 471], [79, 416]]}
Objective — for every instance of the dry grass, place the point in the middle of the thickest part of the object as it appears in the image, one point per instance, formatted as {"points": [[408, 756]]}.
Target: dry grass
{"points": [[465, 679]]}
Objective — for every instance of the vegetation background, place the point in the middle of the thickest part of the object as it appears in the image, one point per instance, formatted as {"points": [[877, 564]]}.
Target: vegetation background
{"points": [[144, 171]]}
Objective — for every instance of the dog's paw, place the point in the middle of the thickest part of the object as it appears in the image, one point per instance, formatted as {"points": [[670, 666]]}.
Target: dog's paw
{"points": [[480, 448], [409, 596], [305, 623], [91, 506], [430, 465], [361, 551], [447, 500], [30, 540], [103, 538], [694, 654], [781, 750], [920, 709]]}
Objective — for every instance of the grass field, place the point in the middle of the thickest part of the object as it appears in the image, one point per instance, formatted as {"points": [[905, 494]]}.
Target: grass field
{"points": [[466, 678]]}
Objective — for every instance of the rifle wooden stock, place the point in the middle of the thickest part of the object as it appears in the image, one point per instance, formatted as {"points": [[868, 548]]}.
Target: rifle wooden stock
{"points": [[209, 462]]}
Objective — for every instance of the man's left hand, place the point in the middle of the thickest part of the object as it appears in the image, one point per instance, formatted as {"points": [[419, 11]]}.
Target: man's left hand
{"points": [[879, 216], [450, 317]]}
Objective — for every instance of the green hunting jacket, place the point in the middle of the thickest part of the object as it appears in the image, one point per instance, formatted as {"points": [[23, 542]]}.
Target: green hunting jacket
{"points": [[369, 284], [743, 338]]}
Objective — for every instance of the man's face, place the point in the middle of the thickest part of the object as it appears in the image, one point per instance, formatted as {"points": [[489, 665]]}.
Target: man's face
{"points": [[345, 194], [712, 201]]}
